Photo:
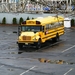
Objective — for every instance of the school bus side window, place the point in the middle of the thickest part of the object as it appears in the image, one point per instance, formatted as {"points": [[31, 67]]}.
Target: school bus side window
{"points": [[56, 24], [61, 23], [50, 26], [47, 27], [43, 28]]}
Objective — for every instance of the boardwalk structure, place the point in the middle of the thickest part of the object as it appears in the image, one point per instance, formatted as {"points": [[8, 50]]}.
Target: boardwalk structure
{"points": [[36, 6]]}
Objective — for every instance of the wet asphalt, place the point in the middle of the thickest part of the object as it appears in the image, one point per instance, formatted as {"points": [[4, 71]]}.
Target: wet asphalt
{"points": [[54, 58]]}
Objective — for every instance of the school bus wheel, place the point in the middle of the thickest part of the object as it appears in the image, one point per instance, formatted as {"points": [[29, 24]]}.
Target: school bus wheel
{"points": [[38, 44], [20, 46], [56, 39]]}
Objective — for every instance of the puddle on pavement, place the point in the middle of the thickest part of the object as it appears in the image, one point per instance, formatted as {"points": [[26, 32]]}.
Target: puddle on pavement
{"points": [[43, 60], [20, 52], [14, 31], [10, 69], [12, 52], [26, 49], [4, 31]]}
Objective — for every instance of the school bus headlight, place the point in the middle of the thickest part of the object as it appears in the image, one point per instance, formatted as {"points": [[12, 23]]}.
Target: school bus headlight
{"points": [[34, 39], [19, 38]]}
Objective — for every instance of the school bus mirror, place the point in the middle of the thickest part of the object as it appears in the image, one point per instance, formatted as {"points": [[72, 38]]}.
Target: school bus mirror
{"points": [[24, 22]]}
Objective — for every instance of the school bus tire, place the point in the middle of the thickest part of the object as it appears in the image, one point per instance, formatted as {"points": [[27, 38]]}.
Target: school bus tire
{"points": [[38, 44], [56, 39], [20, 46]]}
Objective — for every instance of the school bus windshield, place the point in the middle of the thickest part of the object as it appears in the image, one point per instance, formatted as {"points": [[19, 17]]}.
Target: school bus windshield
{"points": [[31, 28]]}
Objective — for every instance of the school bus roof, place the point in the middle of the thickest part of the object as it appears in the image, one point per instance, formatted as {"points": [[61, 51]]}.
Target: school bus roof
{"points": [[50, 19], [45, 20]]}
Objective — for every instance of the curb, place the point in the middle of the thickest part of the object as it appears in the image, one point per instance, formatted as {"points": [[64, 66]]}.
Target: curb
{"points": [[9, 25]]}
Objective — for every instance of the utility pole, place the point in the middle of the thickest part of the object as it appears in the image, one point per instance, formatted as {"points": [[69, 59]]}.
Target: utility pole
{"points": [[70, 6]]}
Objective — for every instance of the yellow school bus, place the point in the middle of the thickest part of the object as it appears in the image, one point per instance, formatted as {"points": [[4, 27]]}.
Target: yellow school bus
{"points": [[34, 32]]}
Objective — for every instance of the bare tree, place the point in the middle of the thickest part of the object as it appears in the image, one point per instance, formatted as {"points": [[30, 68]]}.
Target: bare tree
{"points": [[73, 2]]}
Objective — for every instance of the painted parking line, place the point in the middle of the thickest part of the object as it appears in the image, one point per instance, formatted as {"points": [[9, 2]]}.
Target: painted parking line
{"points": [[1, 66], [68, 71], [68, 49], [28, 70]]}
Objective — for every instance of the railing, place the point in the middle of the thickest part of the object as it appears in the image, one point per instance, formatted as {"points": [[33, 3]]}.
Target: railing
{"points": [[29, 6]]}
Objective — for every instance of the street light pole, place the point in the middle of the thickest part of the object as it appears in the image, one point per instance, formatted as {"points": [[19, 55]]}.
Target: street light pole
{"points": [[28, 5], [70, 6], [37, 5]]}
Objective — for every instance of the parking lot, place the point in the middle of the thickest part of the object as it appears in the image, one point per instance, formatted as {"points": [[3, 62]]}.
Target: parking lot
{"points": [[53, 59]]}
